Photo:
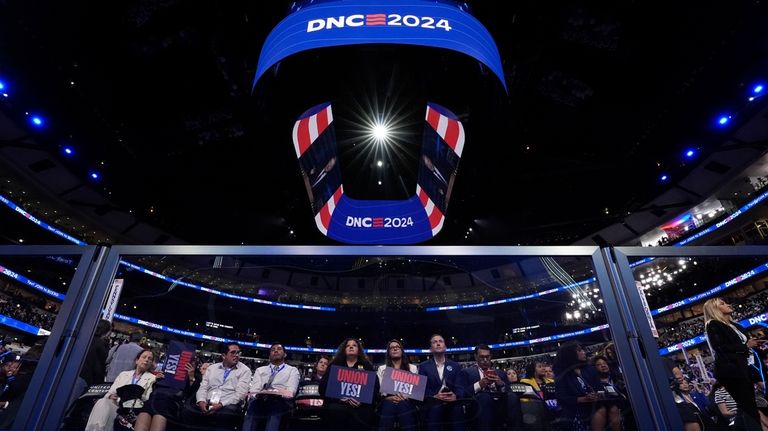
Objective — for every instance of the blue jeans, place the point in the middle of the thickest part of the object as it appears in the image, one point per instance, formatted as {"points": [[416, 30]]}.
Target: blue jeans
{"points": [[403, 412]]}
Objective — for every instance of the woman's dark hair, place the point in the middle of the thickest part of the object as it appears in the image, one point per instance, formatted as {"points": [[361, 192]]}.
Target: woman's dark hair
{"points": [[530, 370], [404, 362], [103, 328], [567, 359], [340, 357]]}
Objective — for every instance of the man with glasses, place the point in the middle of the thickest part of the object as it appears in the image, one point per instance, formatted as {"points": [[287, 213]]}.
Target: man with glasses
{"points": [[222, 390], [272, 387], [488, 386]]}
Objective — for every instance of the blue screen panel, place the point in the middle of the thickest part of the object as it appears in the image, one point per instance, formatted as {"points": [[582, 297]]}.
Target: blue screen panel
{"points": [[356, 22]]}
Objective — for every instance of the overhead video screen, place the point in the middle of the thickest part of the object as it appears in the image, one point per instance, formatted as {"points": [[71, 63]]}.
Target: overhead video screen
{"points": [[360, 221]]}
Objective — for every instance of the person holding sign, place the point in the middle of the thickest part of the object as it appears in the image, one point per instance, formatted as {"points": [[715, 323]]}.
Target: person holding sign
{"points": [[343, 407], [398, 406], [441, 398], [272, 386], [181, 380]]}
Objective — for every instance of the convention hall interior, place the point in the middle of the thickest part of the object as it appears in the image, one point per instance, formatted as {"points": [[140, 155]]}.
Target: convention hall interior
{"points": [[575, 184]]}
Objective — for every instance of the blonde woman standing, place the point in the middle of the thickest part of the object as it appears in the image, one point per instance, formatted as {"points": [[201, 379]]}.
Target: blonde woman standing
{"points": [[736, 367]]}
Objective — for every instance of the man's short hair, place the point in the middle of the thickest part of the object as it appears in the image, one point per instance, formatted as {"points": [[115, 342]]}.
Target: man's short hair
{"points": [[225, 347], [482, 347], [276, 344]]}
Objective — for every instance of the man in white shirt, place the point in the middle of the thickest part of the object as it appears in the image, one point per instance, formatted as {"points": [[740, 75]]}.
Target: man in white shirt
{"points": [[222, 390], [272, 388]]}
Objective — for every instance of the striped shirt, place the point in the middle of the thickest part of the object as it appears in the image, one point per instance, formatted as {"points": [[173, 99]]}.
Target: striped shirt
{"points": [[722, 396]]}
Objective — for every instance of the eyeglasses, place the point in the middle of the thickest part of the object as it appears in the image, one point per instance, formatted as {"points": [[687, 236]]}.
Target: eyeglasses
{"points": [[394, 347], [235, 352]]}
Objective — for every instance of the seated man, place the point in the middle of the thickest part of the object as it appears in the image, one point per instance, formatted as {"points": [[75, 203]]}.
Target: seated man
{"points": [[441, 398], [222, 390], [272, 387], [488, 387]]}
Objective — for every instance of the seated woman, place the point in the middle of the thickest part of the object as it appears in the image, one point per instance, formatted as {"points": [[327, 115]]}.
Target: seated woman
{"points": [[321, 366], [349, 414], [396, 407], [512, 376], [111, 409], [165, 402], [610, 388], [574, 395]]}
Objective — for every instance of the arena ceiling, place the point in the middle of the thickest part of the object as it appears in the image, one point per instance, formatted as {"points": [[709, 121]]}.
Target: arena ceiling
{"points": [[603, 98]]}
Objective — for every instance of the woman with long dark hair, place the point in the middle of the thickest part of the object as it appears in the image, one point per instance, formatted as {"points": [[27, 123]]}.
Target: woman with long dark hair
{"points": [[736, 366], [396, 407], [349, 414], [577, 398]]}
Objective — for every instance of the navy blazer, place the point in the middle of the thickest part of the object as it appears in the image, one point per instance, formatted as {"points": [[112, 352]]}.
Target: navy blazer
{"points": [[471, 375], [450, 372], [568, 388]]}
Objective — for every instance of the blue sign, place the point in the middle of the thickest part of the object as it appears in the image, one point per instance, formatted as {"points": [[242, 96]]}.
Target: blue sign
{"points": [[344, 382], [408, 384], [358, 22], [175, 367]]}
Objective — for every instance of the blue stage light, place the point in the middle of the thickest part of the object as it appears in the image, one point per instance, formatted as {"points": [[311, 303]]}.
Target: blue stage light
{"points": [[95, 175], [723, 120], [68, 151], [2, 85], [690, 153], [757, 90], [664, 177], [37, 121]]}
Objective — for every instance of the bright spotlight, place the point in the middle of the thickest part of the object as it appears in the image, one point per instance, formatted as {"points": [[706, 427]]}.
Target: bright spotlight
{"points": [[380, 132], [690, 153], [2, 85], [757, 90], [723, 120], [664, 177], [95, 175], [36, 121], [68, 151]]}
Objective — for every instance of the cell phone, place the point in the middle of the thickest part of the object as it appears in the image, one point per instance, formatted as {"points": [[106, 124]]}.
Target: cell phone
{"points": [[445, 389]]}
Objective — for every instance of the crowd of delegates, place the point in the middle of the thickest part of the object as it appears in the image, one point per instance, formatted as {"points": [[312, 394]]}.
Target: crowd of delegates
{"points": [[684, 330], [23, 310], [578, 391]]}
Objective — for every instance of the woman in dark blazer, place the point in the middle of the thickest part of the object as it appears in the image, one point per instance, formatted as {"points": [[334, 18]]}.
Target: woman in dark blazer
{"points": [[736, 367], [577, 398]]}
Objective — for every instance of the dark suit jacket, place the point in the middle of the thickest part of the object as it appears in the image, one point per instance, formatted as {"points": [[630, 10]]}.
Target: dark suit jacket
{"points": [[730, 352], [471, 375], [568, 388], [450, 372]]}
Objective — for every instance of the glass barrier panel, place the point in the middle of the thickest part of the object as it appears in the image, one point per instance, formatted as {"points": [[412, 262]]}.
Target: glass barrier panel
{"points": [[32, 290], [677, 291], [493, 340]]}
